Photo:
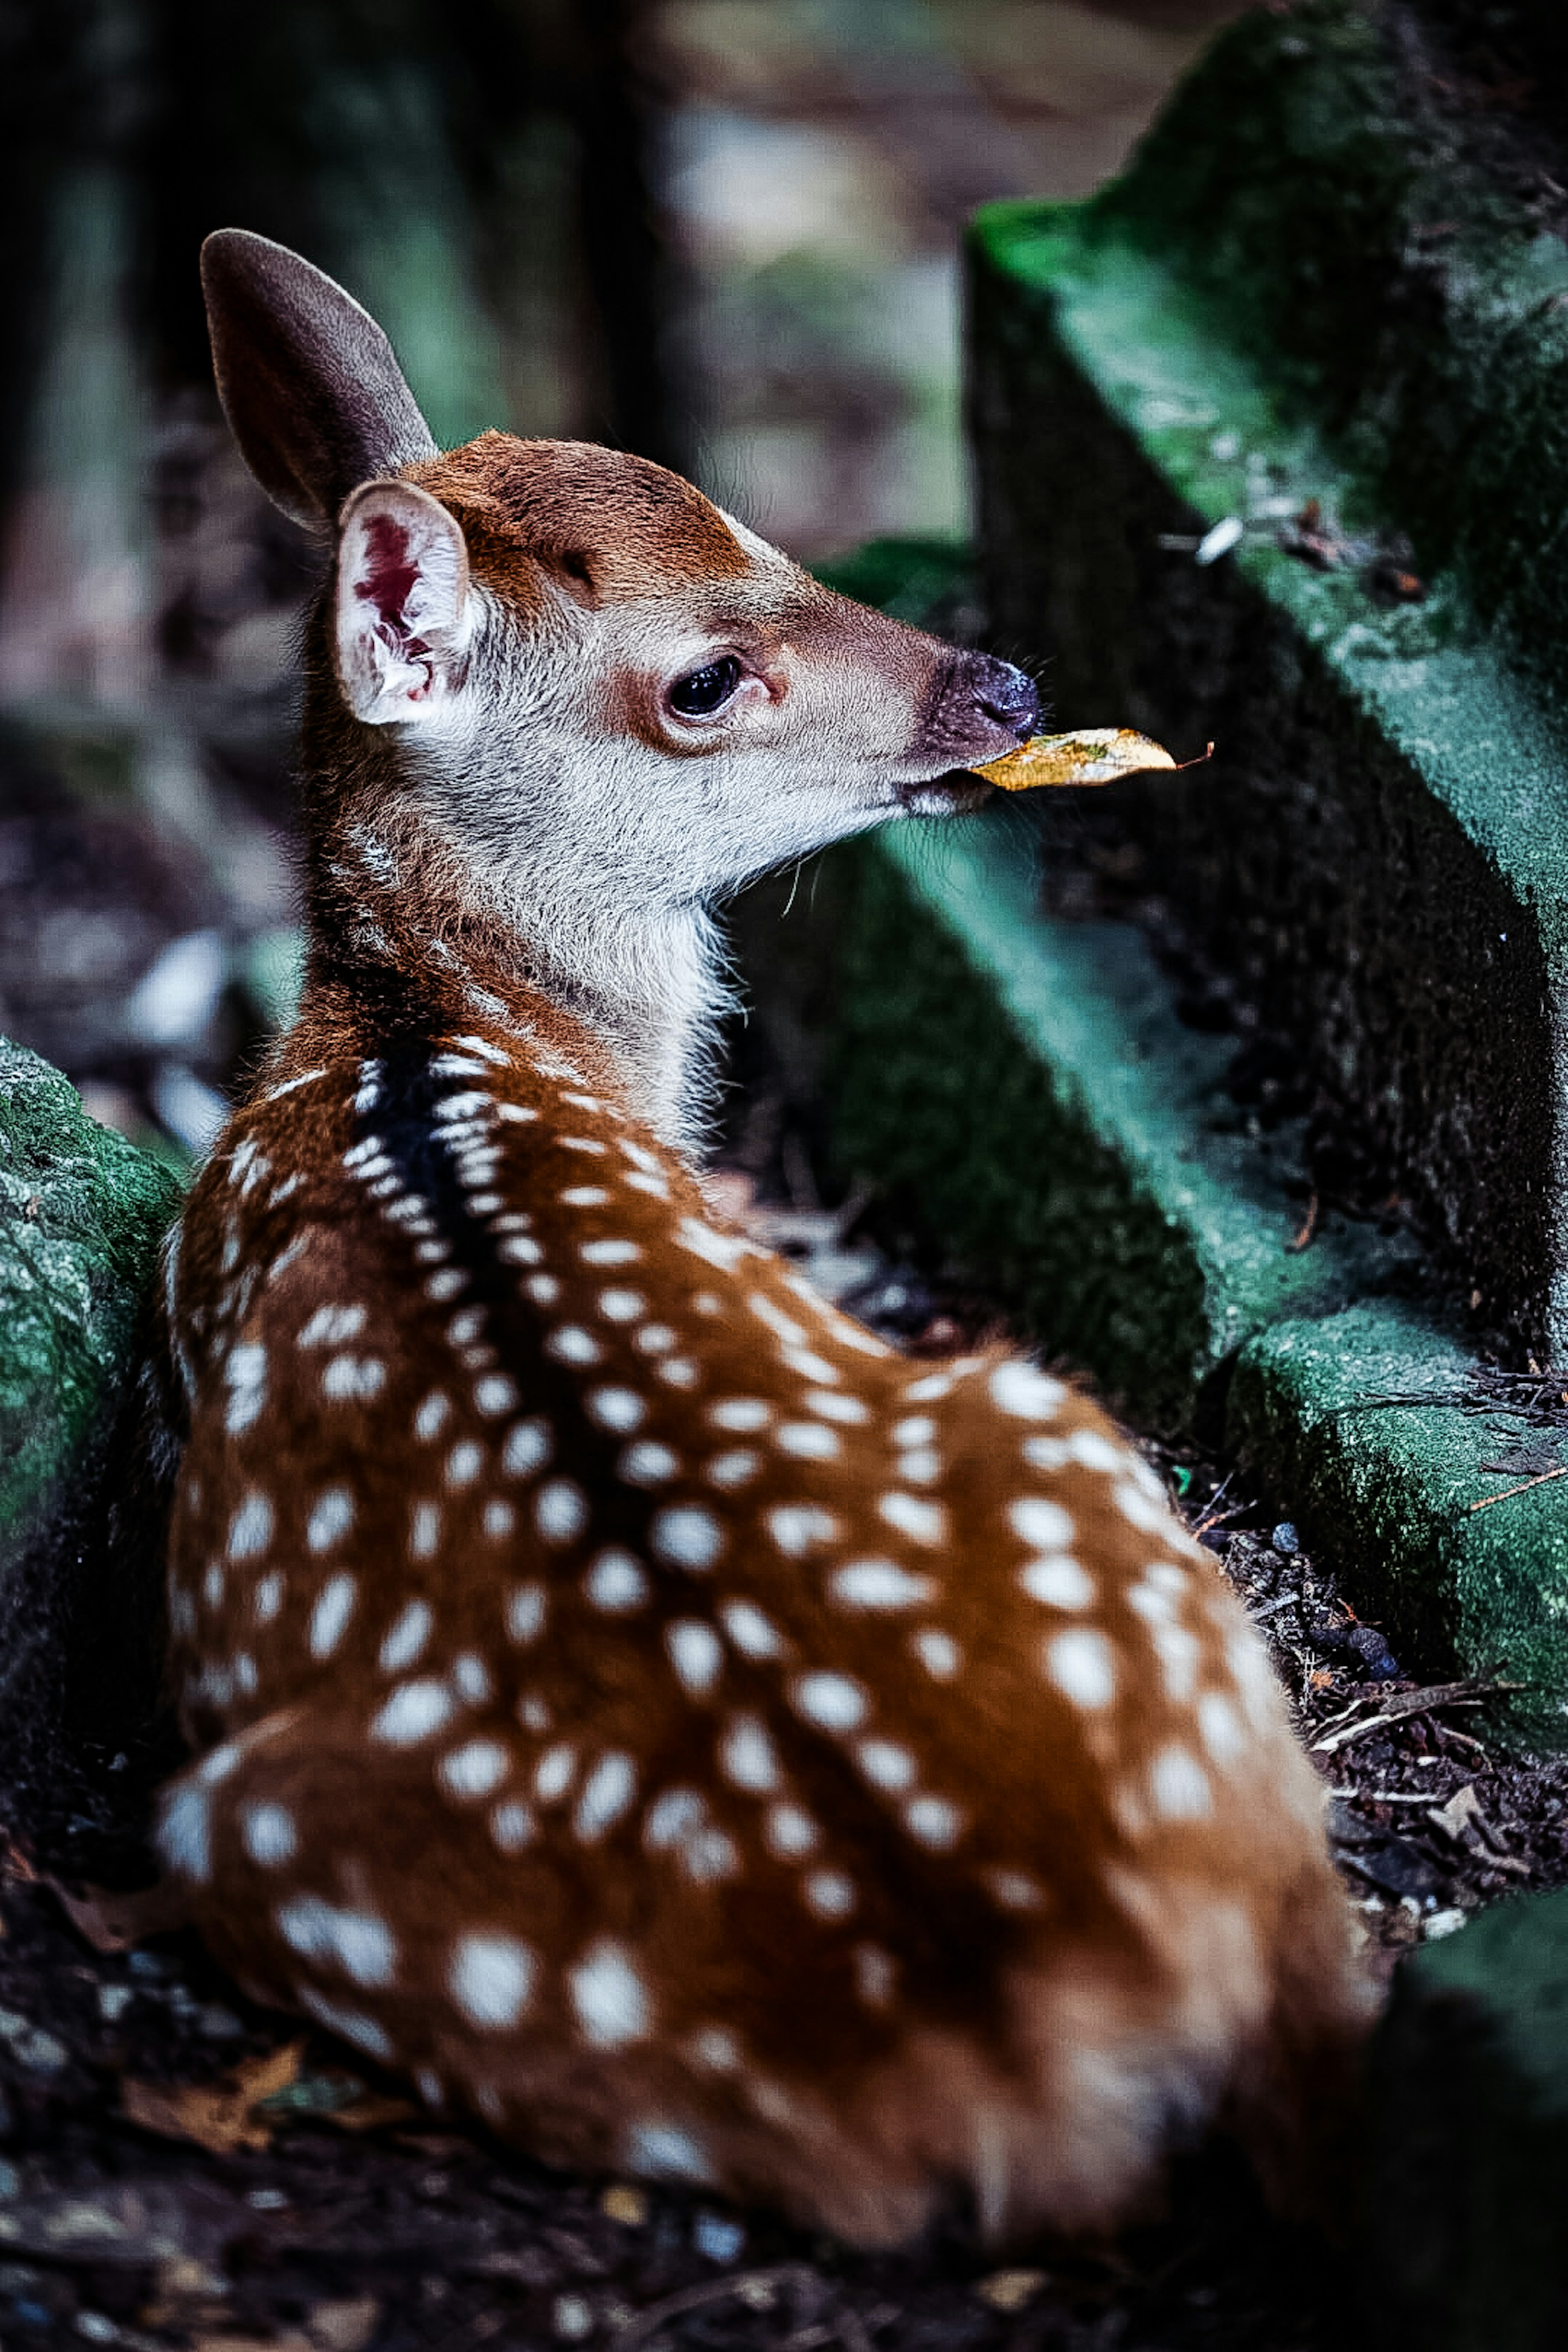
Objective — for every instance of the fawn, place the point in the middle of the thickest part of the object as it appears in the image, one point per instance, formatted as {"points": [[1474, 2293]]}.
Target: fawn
{"points": [[625, 1695]]}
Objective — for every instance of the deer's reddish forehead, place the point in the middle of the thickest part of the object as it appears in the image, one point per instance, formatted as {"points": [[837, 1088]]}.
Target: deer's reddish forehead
{"points": [[647, 531]]}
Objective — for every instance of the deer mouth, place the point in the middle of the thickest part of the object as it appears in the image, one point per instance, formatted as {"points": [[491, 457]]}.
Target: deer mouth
{"points": [[956, 793]]}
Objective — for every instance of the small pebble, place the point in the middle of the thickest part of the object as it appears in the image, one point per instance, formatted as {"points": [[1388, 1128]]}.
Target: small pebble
{"points": [[1010, 2290], [625, 2204], [113, 2001], [716, 2236], [1285, 1537], [95, 2326], [1439, 1924], [146, 1964], [10, 2179], [573, 2317], [218, 2024], [266, 2201]]}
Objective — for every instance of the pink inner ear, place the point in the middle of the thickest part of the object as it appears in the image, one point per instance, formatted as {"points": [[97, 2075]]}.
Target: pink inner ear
{"points": [[388, 577]]}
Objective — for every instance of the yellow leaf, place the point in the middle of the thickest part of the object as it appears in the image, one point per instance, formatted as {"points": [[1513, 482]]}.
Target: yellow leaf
{"points": [[219, 2117], [1095, 755]]}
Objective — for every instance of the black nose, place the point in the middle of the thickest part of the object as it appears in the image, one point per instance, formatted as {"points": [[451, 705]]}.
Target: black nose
{"points": [[1005, 695]]}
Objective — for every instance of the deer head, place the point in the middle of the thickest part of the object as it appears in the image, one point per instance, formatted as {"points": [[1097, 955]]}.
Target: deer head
{"points": [[585, 700]]}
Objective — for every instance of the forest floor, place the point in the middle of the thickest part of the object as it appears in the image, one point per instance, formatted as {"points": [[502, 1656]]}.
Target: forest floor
{"points": [[179, 2168]]}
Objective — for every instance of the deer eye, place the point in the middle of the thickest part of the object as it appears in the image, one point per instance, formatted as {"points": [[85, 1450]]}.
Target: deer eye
{"points": [[703, 691]]}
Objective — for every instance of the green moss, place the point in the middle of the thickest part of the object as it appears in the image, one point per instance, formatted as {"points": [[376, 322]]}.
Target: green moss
{"points": [[81, 1213]]}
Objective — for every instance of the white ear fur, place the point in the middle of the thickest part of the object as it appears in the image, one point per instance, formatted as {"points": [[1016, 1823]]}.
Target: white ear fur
{"points": [[402, 612]]}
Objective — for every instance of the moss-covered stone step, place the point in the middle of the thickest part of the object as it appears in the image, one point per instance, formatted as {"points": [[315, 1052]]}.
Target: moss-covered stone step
{"points": [[1468, 2188], [1308, 289], [81, 1214]]}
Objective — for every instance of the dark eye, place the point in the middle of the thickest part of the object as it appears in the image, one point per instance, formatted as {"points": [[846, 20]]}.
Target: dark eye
{"points": [[707, 690]]}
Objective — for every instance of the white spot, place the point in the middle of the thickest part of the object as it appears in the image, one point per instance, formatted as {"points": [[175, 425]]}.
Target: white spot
{"points": [[722, 1250], [732, 1469], [715, 2048], [1060, 1582], [499, 1520], [807, 1441], [464, 1463], [412, 1713], [428, 2084], [333, 1608], [1179, 1786], [672, 1818], [513, 1828], [471, 1677], [406, 1637], [561, 1511], [933, 1821], [475, 1770], [527, 1448], [885, 1764], [1096, 1452], [1220, 1727], [755, 1635], [656, 1339], [791, 1831], [609, 1996], [796, 1527], [361, 1944], [1014, 1890], [212, 1586], [349, 2024], [615, 1583], [835, 1702], [330, 1327], [1139, 1507], [685, 1536], [1044, 1524], [267, 1598], [665, 2152], [490, 1977], [918, 1429], [938, 1652], [747, 1758], [589, 1143], [829, 1894], [465, 1328], [1019, 1389], [350, 1380], [920, 1468], [809, 1367], [430, 1419], [584, 1196], [647, 1463], [525, 1613], [1081, 1666], [922, 1522], [495, 1393], [608, 1793], [873, 1975], [245, 1374], [331, 1519], [1046, 1453], [554, 1772], [543, 1288], [695, 1654], [447, 1284], [184, 1834], [783, 1326], [424, 1530], [269, 1834], [621, 1409], [878, 1584], [679, 1373], [931, 1390], [609, 1253], [846, 1409], [622, 1305], [518, 1249], [740, 1413]]}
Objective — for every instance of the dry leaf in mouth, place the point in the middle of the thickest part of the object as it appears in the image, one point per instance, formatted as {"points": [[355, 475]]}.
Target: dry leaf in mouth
{"points": [[219, 2117], [1094, 755]]}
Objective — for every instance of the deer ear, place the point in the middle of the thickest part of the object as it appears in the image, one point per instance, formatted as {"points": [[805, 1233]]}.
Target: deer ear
{"points": [[315, 398], [402, 612]]}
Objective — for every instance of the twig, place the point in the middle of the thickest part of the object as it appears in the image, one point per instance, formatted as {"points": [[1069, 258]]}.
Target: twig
{"points": [[847, 2325], [1213, 1515], [1272, 1608], [1421, 1702], [1544, 1480], [1303, 1240]]}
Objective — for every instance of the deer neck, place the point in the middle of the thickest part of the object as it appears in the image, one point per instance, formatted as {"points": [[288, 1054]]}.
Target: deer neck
{"points": [[405, 928]]}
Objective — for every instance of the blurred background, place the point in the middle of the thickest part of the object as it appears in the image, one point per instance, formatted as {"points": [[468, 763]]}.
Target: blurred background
{"points": [[722, 233]]}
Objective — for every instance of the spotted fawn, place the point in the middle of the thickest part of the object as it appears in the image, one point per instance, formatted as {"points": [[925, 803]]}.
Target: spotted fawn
{"points": [[623, 1694]]}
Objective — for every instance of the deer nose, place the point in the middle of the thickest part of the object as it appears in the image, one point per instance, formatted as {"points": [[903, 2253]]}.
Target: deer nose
{"points": [[1005, 693]]}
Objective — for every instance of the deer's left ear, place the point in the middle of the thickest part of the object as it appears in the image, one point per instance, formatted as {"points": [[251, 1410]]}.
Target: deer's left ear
{"points": [[404, 613]]}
